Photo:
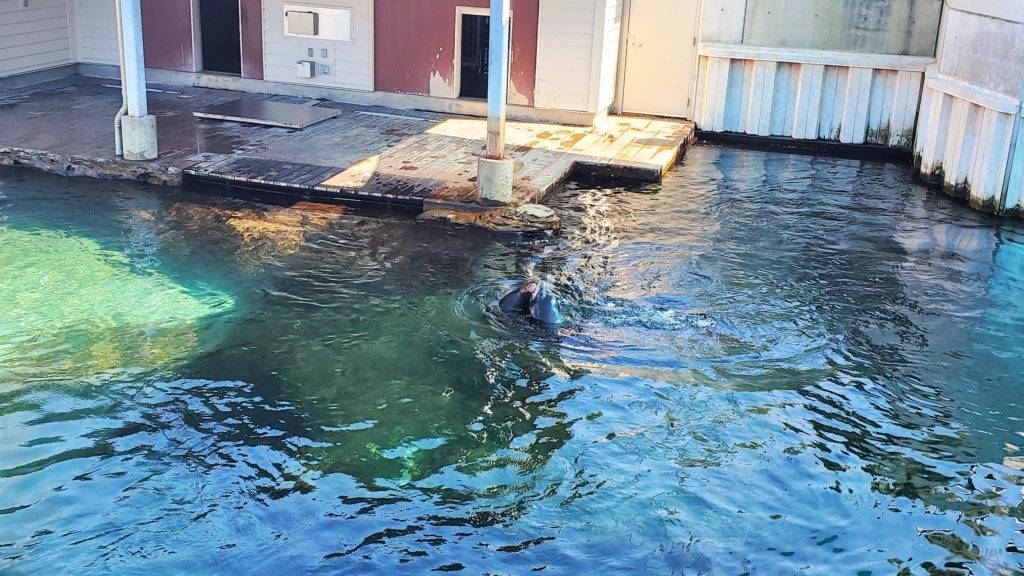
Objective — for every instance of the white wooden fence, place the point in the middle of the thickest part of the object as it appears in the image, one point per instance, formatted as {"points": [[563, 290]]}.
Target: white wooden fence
{"points": [[965, 138], [849, 97], [971, 135]]}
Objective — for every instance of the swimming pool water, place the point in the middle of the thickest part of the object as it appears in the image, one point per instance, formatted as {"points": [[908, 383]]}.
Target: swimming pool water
{"points": [[773, 364]]}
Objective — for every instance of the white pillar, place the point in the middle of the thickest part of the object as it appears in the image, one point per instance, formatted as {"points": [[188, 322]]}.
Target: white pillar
{"points": [[497, 78], [138, 127], [495, 172]]}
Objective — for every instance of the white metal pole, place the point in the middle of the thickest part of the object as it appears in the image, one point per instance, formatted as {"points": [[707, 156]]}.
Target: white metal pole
{"points": [[497, 78], [118, 148], [134, 62]]}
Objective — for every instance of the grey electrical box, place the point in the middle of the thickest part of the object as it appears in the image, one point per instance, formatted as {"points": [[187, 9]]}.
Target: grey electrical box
{"points": [[302, 22]]}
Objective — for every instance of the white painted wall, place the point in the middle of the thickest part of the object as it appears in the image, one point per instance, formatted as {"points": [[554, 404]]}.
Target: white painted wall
{"points": [[578, 54], [970, 136], [905, 27], [983, 50], [34, 38], [351, 62], [95, 31], [565, 53], [722, 21]]}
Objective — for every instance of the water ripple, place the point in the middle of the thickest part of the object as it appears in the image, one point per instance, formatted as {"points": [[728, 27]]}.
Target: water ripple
{"points": [[772, 364]]}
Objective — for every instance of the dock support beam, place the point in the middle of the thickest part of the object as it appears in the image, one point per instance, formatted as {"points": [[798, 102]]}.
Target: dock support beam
{"points": [[495, 170], [138, 127]]}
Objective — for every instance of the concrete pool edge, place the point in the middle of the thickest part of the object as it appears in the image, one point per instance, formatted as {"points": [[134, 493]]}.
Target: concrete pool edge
{"points": [[102, 168]]}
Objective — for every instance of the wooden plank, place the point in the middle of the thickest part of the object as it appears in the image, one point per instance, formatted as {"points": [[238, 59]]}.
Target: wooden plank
{"points": [[967, 139], [442, 174], [808, 106], [638, 144], [854, 123], [931, 153], [905, 107], [787, 83], [922, 126], [317, 177], [661, 149], [216, 165], [721, 90], [535, 162], [616, 141], [759, 115], [551, 176], [981, 174], [830, 114], [952, 152]]}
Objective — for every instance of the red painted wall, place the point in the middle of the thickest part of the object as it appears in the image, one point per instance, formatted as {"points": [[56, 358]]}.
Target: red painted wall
{"points": [[251, 16], [413, 39], [167, 34]]}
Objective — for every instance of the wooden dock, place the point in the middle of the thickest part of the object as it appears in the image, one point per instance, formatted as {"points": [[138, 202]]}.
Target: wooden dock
{"points": [[429, 161], [424, 161]]}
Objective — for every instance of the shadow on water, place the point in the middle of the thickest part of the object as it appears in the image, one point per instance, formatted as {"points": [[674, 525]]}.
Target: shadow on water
{"points": [[772, 364]]}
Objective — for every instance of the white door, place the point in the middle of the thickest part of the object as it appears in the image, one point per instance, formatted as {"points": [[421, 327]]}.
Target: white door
{"points": [[661, 54]]}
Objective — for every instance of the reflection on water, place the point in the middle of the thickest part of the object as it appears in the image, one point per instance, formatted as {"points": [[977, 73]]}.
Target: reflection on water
{"points": [[773, 364]]}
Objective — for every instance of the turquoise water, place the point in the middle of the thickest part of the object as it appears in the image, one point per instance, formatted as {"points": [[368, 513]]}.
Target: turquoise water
{"points": [[772, 364]]}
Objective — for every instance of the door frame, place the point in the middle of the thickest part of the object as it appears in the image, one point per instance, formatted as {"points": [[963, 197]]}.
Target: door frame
{"points": [[461, 11], [620, 72], [197, 37]]}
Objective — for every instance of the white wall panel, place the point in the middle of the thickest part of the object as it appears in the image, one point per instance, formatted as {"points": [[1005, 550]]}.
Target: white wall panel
{"points": [[565, 52], [861, 26], [35, 37], [983, 50], [722, 21], [351, 62], [95, 31]]}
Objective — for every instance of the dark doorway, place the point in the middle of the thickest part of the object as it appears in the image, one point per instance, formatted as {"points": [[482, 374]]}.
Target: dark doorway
{"points": [[220, 36], [474, 56]]}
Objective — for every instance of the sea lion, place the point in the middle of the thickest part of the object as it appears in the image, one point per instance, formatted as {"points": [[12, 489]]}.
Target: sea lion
{"points": [[535, 300], [519, 299], [544, 308]]}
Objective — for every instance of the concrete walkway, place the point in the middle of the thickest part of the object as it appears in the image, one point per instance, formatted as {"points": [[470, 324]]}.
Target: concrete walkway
{"points": [[421, 160]]}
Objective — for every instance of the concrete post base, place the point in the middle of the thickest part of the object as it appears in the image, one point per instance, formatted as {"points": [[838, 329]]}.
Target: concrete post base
{"points": [[138, 137], [494, 180]]}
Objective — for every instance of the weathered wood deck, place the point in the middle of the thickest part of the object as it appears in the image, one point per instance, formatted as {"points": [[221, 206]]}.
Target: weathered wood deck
{"points": [[424, 162], [421, 160]]}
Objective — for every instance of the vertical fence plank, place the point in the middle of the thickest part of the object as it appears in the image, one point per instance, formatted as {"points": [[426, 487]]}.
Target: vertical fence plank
{"points": [[808, 104], [854, 123]]}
